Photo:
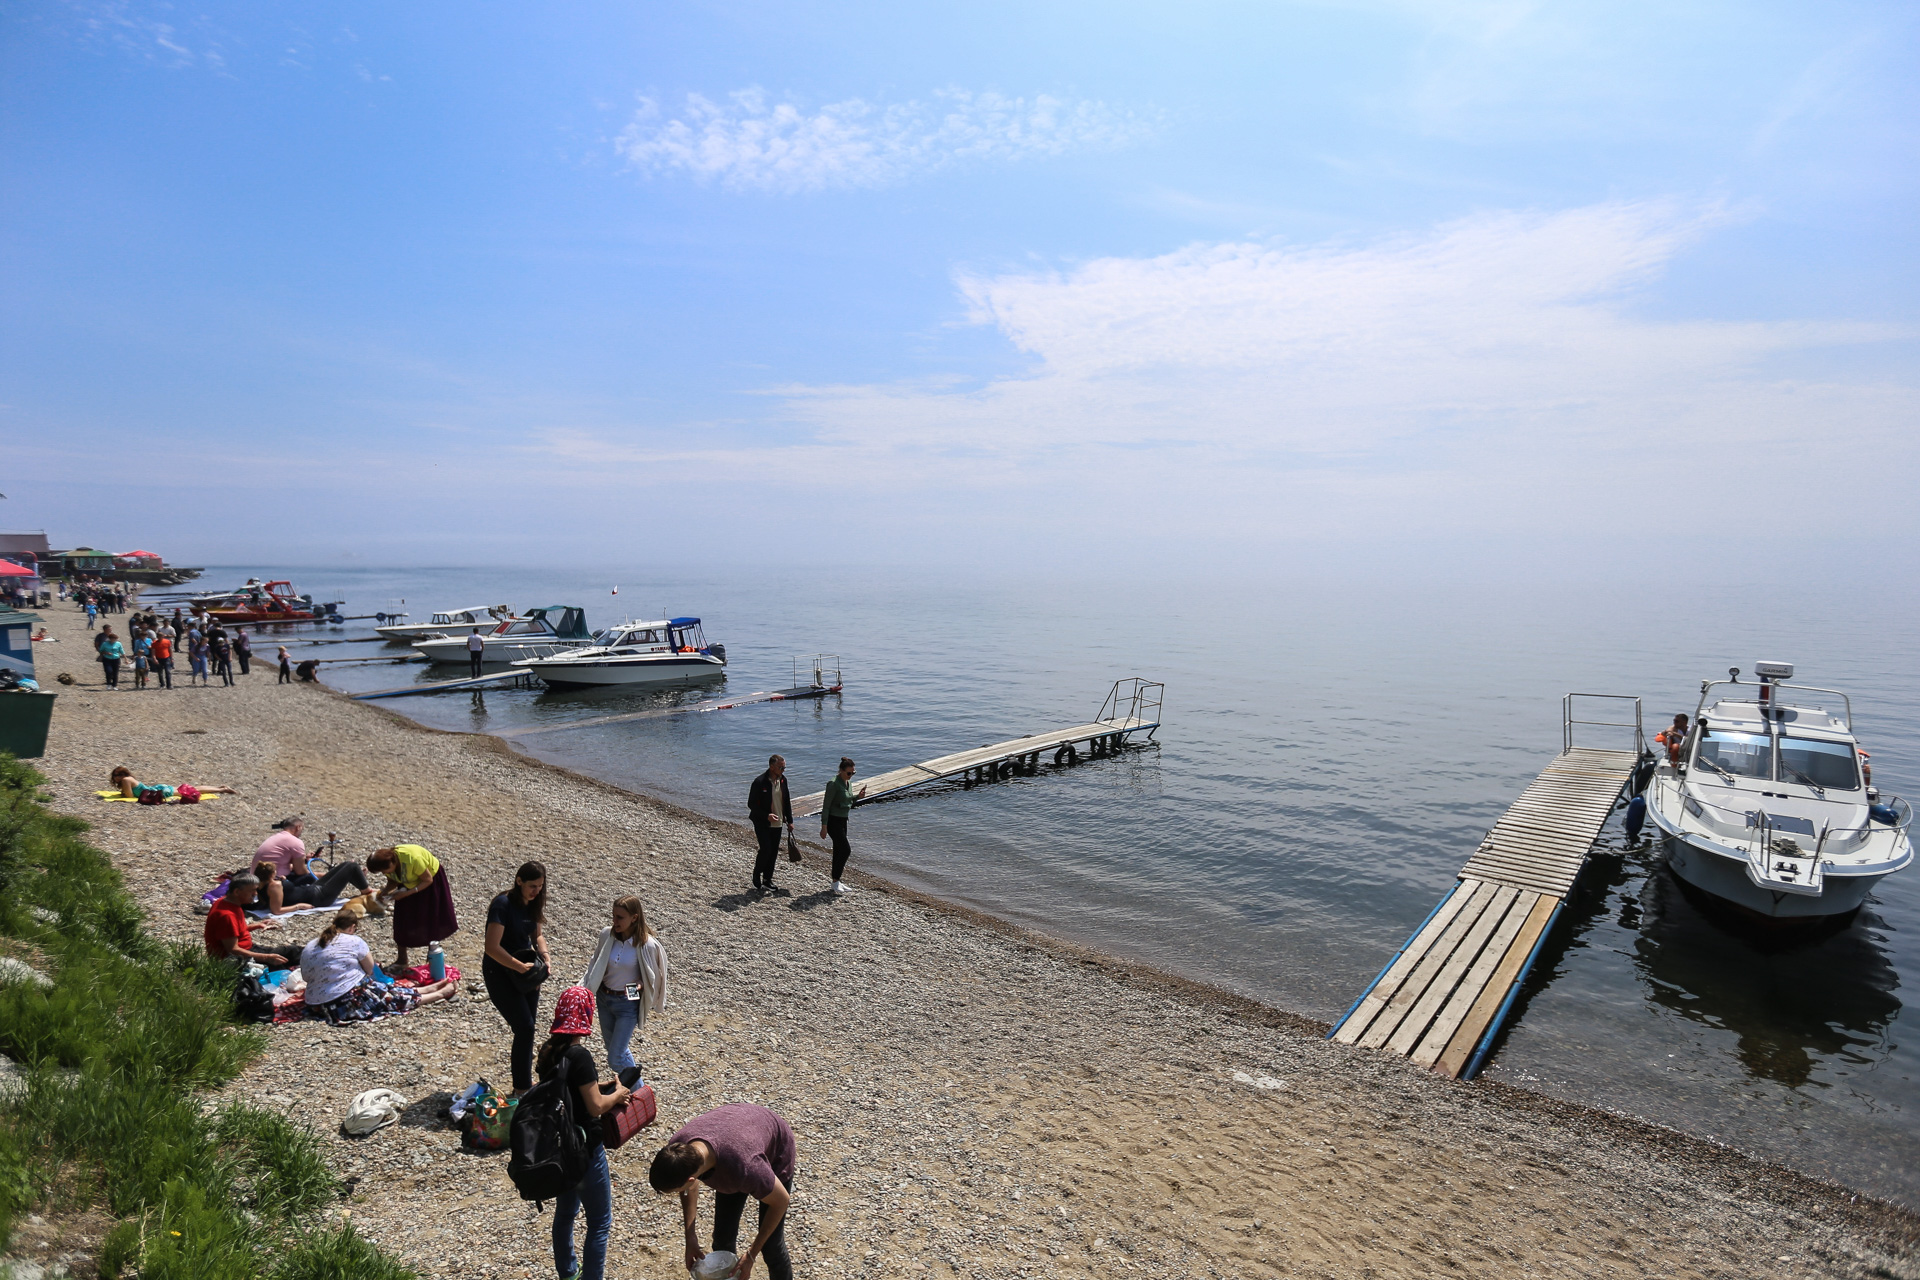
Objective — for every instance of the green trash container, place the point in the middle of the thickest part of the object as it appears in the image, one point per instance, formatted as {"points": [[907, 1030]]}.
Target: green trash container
{"points": [[23, 723]]}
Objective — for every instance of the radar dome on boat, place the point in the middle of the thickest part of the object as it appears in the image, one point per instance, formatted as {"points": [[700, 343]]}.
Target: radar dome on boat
{"points": [[1773, 670]]}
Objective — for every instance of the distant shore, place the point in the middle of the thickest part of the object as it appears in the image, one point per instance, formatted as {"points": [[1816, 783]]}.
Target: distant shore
{"points": [[970, 1098]]}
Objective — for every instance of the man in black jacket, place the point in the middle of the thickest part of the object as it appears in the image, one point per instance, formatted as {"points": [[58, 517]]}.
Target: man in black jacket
{"points": [[771, 807]]}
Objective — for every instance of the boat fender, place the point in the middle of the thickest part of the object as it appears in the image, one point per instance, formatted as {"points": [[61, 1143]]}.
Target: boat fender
{"points": [[1884, 813], [1636, 817], [1641, 777]]}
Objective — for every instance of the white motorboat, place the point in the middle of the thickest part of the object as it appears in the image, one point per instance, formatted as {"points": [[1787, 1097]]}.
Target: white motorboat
{"points": [[666, 651], [1768, 804], [544, 632], [445, 624]]}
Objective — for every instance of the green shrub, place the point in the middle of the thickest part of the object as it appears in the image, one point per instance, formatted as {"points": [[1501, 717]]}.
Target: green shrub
{"points": [[112, 1054]]}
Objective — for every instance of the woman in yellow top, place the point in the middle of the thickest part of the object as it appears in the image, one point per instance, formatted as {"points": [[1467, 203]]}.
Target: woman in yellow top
{"points": [[421, 894]]}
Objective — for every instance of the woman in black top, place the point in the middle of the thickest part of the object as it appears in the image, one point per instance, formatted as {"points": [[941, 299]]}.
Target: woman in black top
{"points": [[572, 1020], [516, 962]]}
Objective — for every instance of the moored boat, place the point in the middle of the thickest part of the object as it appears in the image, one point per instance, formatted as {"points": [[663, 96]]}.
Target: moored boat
{"points": [[267, 602], [446, 623], [544, 632], [1768, 803], [666, 651]]}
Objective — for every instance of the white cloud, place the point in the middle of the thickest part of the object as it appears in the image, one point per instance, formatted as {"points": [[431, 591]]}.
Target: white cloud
{"points": [[753, 141], [1495, 373]]}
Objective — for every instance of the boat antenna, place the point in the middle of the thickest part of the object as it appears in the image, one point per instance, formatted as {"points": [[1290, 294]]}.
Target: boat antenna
{"points": [[1735, 673]]}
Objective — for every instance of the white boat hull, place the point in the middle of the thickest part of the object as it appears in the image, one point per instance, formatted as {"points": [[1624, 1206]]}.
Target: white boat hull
{"points": [[664, 670], [1727, 879], [421, 630], [498, 653]]}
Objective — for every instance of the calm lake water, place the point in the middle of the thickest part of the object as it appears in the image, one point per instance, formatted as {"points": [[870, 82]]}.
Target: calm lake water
{"points": [[1332, 753]]}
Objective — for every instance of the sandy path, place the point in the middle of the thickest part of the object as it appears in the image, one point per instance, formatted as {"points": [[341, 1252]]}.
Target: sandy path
{"points": [[969, 1100]]}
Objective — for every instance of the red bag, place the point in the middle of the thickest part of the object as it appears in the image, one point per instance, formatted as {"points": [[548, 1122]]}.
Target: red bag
{"points": [[629, 1118], [189, 794]]}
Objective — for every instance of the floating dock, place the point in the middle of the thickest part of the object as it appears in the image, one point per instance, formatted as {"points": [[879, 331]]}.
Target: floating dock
{"points": [[1132, 707], [1443, 997], [498, 680], [712, 704]]}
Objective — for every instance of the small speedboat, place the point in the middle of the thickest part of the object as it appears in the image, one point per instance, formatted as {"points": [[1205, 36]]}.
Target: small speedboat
{"points": [[462, 620], [667, 651], [269, 602], [541, 634], [1769, 805]]}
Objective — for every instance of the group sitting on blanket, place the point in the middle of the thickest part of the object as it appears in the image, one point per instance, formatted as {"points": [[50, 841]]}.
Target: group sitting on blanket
{"points": [[336, 967]]}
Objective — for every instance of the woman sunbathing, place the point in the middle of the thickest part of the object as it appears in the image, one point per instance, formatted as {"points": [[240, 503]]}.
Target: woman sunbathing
{"points": [[131, 787], [301, 890]]}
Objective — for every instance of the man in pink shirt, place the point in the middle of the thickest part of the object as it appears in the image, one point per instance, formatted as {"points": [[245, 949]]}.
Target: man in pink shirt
{"points": [[739, 1150], [284, 847]]}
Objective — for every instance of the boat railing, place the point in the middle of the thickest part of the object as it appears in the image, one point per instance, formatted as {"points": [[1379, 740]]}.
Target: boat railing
{"points": [[1769, 694], [1757, 824], [1568, 719], [1903, 822]]}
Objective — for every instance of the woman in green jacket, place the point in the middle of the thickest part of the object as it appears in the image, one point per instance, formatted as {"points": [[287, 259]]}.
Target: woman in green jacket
{"points": [[834, 809]]}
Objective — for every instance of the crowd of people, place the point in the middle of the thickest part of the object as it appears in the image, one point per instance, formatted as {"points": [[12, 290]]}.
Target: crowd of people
{"points": [[737, 1151], [155, 642]]}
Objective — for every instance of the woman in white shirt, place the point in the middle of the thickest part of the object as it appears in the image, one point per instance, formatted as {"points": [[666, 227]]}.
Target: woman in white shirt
{"points": [[628, 978], [338, 969]]}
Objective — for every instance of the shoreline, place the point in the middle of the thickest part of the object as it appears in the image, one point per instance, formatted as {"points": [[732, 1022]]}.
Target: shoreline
{"points": [[1174, 985], [967, 1057]]}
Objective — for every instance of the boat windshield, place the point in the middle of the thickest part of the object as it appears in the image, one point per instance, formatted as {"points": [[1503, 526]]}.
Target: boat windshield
{"points": [[1822, 764], [1744, 755]]}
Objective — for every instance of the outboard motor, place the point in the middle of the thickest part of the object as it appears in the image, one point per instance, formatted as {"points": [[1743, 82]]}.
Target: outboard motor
{"points": [[718, 650], [1636, 818]]}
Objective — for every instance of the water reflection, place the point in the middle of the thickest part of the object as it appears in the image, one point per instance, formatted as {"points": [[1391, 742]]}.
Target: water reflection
{"points": [[1799, 1005]]}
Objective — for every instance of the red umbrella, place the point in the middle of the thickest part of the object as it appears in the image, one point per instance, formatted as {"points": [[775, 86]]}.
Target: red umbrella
{"points": [[8, 569], [138, 555]]}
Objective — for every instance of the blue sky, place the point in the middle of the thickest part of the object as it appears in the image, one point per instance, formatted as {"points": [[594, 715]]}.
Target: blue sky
{"points": [[453, 283]]}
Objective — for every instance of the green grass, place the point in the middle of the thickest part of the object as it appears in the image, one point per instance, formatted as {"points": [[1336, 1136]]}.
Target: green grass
{"points": [[115, 1056]]}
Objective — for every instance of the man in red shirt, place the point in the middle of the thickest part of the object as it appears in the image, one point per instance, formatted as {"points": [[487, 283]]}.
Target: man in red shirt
{"points": [[228, 937]]}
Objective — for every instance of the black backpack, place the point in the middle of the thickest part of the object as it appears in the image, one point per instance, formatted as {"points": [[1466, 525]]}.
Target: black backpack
{"points": [[252, 1000], [549, 1152]]}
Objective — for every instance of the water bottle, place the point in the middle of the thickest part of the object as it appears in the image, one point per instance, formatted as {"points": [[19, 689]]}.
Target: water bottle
{"points": [[436, 962]]}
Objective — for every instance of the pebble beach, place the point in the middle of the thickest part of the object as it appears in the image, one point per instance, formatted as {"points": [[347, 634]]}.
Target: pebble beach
{"points": [[970, 1099]]}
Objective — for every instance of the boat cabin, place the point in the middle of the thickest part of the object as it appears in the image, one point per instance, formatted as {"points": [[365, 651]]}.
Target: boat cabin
{"points": [[558, 621], [479, 616], [663, 635]]}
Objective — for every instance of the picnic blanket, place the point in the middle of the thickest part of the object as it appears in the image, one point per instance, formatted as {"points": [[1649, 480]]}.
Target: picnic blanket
{"points": [[417, 976], [261, 914]]}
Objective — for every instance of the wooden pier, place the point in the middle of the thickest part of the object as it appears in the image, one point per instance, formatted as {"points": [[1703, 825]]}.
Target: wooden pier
{"points": [[515, 679], [1132, 708], [1443, 997]]}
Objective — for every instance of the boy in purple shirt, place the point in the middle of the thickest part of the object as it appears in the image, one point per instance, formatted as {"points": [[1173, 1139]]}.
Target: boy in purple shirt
{"points": [[739, 1150]]}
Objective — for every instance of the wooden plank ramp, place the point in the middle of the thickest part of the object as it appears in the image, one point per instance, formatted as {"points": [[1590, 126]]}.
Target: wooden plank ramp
{"points": [[515, 679], [1441, 999], [653, 713], [996, 760]]}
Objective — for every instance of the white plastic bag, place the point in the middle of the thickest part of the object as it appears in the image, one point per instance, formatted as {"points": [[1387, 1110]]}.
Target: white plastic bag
{"points": [[372, 1110]]}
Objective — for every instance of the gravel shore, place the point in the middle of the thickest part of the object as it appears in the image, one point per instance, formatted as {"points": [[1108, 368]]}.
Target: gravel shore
{"points": [[969, 1099]]}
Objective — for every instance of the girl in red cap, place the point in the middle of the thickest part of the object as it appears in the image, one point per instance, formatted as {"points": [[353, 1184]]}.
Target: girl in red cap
{"points": [[573, 1020]]}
